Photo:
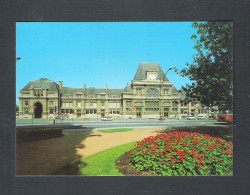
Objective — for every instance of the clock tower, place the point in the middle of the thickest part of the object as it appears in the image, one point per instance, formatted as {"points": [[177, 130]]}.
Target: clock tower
{"points": [[152, 74]]}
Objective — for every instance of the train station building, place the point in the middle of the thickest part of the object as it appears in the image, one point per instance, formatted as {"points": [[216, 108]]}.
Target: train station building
{"points": [[149, 95]]}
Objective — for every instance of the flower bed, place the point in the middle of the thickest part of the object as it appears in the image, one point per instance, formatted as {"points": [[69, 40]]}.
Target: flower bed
{"points": [[183, 153]]}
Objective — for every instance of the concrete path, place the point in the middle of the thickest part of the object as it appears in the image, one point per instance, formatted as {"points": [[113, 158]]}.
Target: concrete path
{"points": [[98, 141]]}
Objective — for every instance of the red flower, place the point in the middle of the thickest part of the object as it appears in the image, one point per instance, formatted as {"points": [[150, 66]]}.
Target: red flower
{"points": [[199, 165], [146, 151], [142, 154], [221, 160], [138, 149], [172, 163], [194, 152], [212, 159], [163, 162], [161, 153], [172, 157]]}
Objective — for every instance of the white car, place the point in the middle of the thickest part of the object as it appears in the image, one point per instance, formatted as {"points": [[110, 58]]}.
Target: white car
{"points": [[107, 118], [200, 117], [190, 117]]}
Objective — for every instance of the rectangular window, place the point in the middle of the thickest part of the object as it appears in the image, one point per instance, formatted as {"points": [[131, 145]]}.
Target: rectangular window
{"points": [[26, 111], [51, 110], [165, 91], [174, 104], [183, 111], [79, 111], [67, 104], [51, 103], [67, 110], [79, 104], [26, 103], [115, 110], [183, 104], [152, 106], [62, 111], [138, 92], [90, 111], [71, 111], [174, 109], [129, 103]]}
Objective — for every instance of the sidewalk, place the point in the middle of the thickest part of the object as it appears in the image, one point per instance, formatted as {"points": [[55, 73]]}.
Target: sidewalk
{"points": [[98, 141]]}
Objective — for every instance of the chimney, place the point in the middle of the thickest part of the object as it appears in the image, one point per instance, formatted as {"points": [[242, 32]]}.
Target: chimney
{"points": [[60, 84], [106, 88], [84, 87]]}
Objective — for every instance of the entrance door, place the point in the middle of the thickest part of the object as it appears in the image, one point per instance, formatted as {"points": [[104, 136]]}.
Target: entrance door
{"points": [[102, 113], [166, 112], [38, 110], [138, 112]]}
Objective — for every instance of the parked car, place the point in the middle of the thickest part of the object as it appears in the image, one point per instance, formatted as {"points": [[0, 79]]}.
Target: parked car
{"points": [[107, 118], [225, 118], [161, 118], [200, 117], [190, 117], [212, 117]]}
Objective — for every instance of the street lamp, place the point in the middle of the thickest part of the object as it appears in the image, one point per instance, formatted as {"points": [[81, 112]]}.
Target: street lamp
{"points": [[18, 58], [161, 112]]}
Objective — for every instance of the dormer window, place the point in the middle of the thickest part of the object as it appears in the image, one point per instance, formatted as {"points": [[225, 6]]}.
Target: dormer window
{"points": [[152, 74], [138, 92], [166, 91]]}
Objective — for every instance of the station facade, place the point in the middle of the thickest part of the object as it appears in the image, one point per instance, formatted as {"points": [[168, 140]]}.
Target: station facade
{"points": [[149, 95]]}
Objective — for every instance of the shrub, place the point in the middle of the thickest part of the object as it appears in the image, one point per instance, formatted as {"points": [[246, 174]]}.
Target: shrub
{"points": [[183, 153]]}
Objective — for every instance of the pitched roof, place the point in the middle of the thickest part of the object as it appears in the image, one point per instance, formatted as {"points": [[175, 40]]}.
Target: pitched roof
{"points": [[174, 90], [141, 73], [115, 91], [90, 91], [43, 83], [69, 90], [128, 88], [94, 91]]}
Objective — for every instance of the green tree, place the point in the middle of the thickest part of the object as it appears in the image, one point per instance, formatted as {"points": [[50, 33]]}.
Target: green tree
{"points": [[212, 65], [17, 108]]}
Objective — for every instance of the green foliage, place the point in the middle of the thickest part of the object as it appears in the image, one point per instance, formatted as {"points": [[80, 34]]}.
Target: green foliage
{"points": [[183, 153], [212, 65], [17, 108], [115, 130], [103, 163]]}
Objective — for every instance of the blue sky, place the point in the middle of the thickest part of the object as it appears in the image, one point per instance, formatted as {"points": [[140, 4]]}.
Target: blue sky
{"points": [[100, 53]]}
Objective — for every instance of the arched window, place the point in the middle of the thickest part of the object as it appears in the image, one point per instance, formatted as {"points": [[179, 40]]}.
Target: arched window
{"points": [[152, 93]]}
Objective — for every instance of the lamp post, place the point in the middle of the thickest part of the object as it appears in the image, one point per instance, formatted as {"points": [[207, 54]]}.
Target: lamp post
{"points": [[18, 58], [161, 111]]}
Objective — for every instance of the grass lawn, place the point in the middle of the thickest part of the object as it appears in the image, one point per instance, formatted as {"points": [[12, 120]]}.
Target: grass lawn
{"points": [[115, 130], [103, 163]]}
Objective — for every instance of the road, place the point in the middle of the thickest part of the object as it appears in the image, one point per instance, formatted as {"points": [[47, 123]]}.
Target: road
{"points": [[97, 124]]}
